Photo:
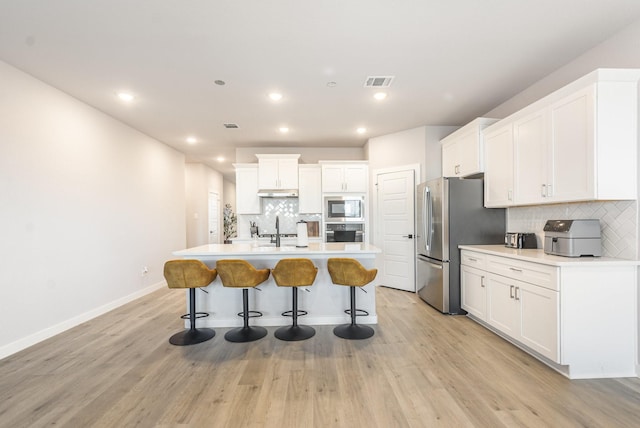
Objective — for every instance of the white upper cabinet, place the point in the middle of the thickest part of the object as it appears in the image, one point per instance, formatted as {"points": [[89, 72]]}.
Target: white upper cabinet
{"points": [[247, 200], [577, 144], [571, 155], [310, 190], [341, 177], [498, 176], [278, 171], [462, 150], [530, 158]]}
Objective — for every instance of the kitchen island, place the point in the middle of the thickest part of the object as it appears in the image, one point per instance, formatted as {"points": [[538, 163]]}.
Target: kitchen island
{"points": [[324, 301]]}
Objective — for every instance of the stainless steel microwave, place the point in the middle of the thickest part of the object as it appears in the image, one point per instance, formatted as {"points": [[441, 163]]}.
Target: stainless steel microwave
{"points": [[343, 208]]}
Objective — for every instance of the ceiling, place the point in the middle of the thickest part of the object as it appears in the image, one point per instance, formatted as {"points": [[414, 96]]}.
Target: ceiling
{"points": [[452, 60]]}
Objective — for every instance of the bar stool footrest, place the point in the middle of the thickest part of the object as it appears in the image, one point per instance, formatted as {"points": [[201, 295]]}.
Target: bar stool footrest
{"points": [[252, 314], [300, 313], [359, 312], [198, 315]]}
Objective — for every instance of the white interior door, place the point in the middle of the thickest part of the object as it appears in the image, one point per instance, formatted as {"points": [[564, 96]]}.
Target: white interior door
{"points": [[214, 218], [395, 214]]}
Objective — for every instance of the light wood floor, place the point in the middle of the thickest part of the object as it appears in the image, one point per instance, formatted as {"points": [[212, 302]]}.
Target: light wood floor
{"points": [[421, 369]]}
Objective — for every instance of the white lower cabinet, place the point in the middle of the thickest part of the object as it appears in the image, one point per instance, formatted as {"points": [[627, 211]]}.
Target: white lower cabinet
{"points": [[525, 312], [474, 294], [473, 297], [579, 316]]}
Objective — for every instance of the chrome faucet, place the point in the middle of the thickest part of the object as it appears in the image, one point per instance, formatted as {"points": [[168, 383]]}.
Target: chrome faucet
{"points": [[277, 232]]}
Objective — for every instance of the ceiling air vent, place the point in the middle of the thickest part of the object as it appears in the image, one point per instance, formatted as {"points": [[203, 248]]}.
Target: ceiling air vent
{"points": [[231, 126], [378, 81]]}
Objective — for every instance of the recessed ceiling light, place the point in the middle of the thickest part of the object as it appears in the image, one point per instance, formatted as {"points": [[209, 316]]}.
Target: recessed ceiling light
{"points": [[192, 140], [219, 82], [284, 129], [220, 159], [361, 130], [331, 84], [275, 96], [125, 96], [380, 96]]}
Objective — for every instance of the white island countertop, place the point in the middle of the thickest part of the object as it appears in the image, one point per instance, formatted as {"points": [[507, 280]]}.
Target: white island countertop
{"points": [[315, 250], [538, 256]]}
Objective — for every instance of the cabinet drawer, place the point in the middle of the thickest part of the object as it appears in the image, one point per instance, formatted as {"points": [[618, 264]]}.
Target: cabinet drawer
{"points": [[473, 259], [533, 273]]}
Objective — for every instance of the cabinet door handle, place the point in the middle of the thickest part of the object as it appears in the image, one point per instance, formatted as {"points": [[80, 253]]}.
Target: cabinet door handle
{"points": [[549, 190], [517, 297], [515, 270], [543, 190], [510, 195], [482, 281], [472, 259], [511, 291]]}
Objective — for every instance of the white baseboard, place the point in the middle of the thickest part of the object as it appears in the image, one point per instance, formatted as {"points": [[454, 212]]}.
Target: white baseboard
{"points": [[48, 332]]}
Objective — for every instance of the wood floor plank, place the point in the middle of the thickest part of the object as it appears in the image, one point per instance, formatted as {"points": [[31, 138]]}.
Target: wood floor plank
{"points": [[421, 368]]}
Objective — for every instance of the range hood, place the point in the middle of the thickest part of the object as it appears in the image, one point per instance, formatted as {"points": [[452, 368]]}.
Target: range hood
{"points": [[278, 193]]}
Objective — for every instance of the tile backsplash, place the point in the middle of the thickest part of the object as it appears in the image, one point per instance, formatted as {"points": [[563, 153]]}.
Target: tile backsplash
{"points": [[285, 208], [618, 221]]}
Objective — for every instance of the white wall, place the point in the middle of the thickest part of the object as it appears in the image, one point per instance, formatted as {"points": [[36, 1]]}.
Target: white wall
{"points": [[229, 194], [87, 202], [417, 145], [200, 180], [620, 51]]}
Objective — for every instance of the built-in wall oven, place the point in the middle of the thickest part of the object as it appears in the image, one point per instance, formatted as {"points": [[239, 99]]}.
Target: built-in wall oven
{"points": [[344, 219], [344, 232]]}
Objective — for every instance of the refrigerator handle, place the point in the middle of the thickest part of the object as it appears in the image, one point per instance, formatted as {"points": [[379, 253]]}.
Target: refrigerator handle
{"points": [[430, 263], [427, 217]]}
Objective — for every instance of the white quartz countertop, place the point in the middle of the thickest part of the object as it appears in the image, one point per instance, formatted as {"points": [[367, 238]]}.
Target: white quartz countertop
{"points": [[538, 256], [251, 250]]}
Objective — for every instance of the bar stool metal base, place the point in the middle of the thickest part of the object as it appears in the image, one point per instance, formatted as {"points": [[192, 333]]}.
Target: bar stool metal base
{"points": [[353, 331], [294, 332], [192, 336], [245, 334]]}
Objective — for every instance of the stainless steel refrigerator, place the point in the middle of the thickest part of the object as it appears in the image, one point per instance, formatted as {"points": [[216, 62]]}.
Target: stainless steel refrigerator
{"points": [[450, 213]]}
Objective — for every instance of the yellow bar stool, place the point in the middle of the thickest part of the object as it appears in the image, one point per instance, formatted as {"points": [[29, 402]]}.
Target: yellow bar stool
{"points": [[190, 274], [350, 272], [241, 274], [294, 273]]}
